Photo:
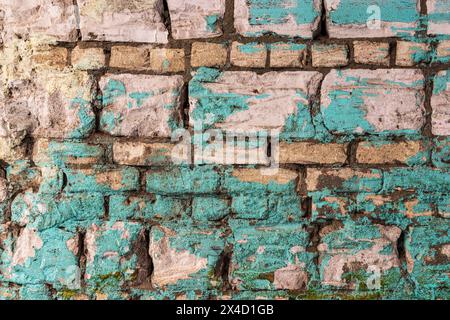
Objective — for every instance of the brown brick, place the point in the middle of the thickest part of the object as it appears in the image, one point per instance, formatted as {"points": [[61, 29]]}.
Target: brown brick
{"points": [[329, 55], [250, 55], [410, 53], [54, 57], [389, 152], [137, 58], [208, 54], [287, 55], [308, 152], [373, 53], [167, 60], [88, 58]]}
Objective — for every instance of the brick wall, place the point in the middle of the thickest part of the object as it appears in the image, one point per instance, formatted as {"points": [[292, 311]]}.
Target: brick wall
{"points": [[123, 175]]}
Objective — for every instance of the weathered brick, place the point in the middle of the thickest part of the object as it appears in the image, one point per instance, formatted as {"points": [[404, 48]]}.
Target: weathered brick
{"points": [[146, 154], [344, 180], [54, 104], [251, 55], [179, 180], [289, 18], [167, 60], [438, 17], [373, 53], [309, 152], [347, 264], [140, 105], [112, 251], [210, 208], [329, 55], [412, 53], [55, 153], [373, 101], [196, 18], [53, 57], [10, 150], [388, 152], [353, 19], [102, 179], [419, 178], [205, 54], [184, 258], [442, 52], [248, 103], [288, 55], [329, 206], [440, 155], [153, 207], [440, 118], [271, 258], [122, 20], [22, 175], [40, 20], [136, 58], [428, 258], [88, 58]]}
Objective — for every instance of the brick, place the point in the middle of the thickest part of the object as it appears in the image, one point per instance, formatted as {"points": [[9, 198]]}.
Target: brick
{"points": [[147, 207], [146, 154], [23, 175], [40, 20], [140, 105], [55, 153], [102, 179], [422, 179], [167, 60], [344, 180], [126, 57], [210, 208], [372, 53], [329, 55], [440, 154], [288, 55], [308, 152], [205, 54], [179, 180], [48, 256], [412, 53], [54, 104], [196, 19], [112, 252], [440, 118], [330, 206], [88, 58], [350, 19], [286, 18], [123, 21], [248, 103], [438, 17], [270, 258], [443, 206], [184, 258], [371, 102], [10, 151], [40, 211], [241, 180], [345, 264], [386, 152], [427, 258], [250, 55], [53, 57], [442, 52]]}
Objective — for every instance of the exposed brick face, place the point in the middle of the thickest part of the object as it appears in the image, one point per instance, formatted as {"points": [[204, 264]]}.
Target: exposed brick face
{"points": [[216, 149]]}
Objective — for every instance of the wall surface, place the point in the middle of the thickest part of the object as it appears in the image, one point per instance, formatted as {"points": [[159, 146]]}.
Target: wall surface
{"points": [[224, 149]]}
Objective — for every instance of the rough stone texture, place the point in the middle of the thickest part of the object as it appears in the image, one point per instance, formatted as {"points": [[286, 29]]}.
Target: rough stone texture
{"points": [[287, 55], [53, 57], [438, 16], [411, 53], [122, 20], [251, 55], [409, 152], [329, 55], [140, 105], [372, 53], [307, 153], [196, 18], [39, 19], [135, 58], [373, 101], [439, 103], [88, 58], [290, 18], [208, 54], [353, 19]]}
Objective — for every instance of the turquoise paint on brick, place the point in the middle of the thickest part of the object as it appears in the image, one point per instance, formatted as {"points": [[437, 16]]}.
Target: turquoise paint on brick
{"points": [[251, 48], [113, 90], [441, 152], [212, 22], [440, 82], [86, 118], [60, 153], [209, 208], [420, 178], [139, 98]]}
